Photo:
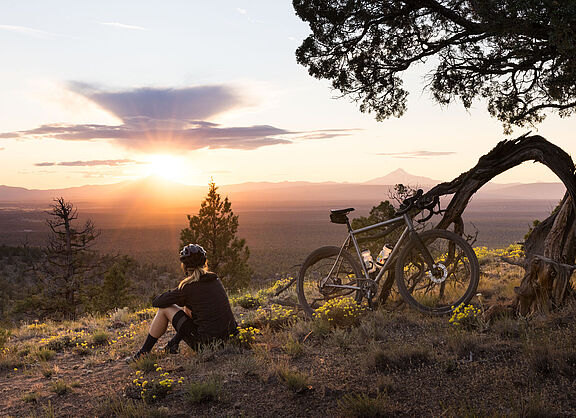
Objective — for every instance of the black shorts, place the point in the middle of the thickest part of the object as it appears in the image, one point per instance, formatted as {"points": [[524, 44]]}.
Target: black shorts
{"points": [[187, 329]]}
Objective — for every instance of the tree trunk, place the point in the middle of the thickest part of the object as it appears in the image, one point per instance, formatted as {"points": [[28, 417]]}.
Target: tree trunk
{"points": [[551, 247]]}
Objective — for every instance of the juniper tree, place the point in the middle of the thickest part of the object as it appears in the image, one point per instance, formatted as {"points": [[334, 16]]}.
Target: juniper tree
{"points": [[215, 228], [519, 55]]}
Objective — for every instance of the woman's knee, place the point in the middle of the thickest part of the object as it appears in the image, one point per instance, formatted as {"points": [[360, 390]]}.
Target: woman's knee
{"points": [[169, 311]]}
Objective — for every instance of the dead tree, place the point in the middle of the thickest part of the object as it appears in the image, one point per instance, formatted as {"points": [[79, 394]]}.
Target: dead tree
{"points": [[69, 261], [551, 247]]}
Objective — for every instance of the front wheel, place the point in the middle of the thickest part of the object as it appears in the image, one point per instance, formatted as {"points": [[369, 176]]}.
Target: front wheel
{"points": [[449, 282], [322, 271]]}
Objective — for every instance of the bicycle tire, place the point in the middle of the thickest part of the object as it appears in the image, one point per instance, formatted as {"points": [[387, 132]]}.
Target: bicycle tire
{"points": [[316, 267], [456, 278]]}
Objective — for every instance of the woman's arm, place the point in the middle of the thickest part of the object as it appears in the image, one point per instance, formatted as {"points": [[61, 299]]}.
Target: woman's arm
{"points": [[171, 297]]}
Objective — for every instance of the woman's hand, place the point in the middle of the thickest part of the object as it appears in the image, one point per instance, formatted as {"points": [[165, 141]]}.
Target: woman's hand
{"points": [[187, 311]]}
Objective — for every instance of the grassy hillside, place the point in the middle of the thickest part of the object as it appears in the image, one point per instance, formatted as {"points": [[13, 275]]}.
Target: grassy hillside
{"points": [[389, 362]]}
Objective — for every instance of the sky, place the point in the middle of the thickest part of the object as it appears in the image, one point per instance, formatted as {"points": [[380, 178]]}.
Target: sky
{"points": [[108, 91]]}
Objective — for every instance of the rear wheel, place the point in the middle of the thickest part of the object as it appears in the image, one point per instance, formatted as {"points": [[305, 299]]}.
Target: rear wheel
{"points": [[323, 269], [440, 288]]}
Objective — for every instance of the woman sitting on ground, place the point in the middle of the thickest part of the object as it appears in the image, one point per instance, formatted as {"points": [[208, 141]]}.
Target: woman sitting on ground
{"points": [[198, 309]]}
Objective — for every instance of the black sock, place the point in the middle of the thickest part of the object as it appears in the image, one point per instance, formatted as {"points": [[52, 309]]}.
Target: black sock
{"points": [[148, 344]]}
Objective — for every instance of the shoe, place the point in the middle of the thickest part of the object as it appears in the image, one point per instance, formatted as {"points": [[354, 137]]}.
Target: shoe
{"points": [[133, 358], [170, 349]]}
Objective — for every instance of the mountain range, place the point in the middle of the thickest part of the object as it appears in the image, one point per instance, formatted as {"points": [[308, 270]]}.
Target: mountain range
{"points": [[161, 193]]}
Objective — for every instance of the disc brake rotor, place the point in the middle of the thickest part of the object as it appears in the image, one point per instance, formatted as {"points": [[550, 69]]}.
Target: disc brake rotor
{"points": [[438, 273]]}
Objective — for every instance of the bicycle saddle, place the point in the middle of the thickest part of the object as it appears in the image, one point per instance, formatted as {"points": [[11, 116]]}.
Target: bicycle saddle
{"points": [[341, 211]]}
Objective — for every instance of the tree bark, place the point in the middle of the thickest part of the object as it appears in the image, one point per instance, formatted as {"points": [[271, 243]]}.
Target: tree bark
{"points": [[551, 248]]}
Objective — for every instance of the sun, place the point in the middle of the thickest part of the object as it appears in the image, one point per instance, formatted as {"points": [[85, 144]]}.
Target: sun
{"points": [[169, 167]]}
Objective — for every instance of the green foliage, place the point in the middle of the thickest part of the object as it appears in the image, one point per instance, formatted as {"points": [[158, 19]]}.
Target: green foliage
{"points": [[467, 317], [215, 228], [400, 357], [293, 347], [45, 354], [202, 392], [154, 389], [380, 213], [4, 337], [61, 387], [100, 338], [245, 337], [114, 290], [383, 212], [127, 408], [343, 312], [294, 380], [516, 54], [146, 363], [363, 406], [247, 301], [275, 316]]}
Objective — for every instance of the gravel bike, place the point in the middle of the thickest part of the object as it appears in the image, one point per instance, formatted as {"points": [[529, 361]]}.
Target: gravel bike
{"points": [[435, 270]]}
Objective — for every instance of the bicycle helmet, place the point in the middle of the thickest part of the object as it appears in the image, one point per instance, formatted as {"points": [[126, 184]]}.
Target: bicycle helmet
{"points": [[193, 255]]}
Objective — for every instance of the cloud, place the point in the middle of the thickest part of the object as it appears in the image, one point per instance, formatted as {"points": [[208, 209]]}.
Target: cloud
{"points": [[170, 119], [122, 26], [417, 154], [241, 11], [91, 163], [187, 103], [28, 31]]}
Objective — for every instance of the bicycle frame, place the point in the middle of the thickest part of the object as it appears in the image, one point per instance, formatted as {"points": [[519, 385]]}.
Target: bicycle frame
{"points": [[408, 233]]}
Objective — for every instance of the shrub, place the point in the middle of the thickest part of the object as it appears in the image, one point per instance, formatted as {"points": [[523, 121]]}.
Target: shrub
{"points": [[60, 387], [363, 406], [146, 363], [45, 354], [343, 312], [127, 408], [30, 397], [201, 392], [120, 315], [275, 288], [247, 301], [275, 316], [400, 358], [466, 317], [541, 360], [100, 338], [245, 336], [293, 347], [152, 390], [464, 345], [4, 337], [294, 380], [48, 372]]}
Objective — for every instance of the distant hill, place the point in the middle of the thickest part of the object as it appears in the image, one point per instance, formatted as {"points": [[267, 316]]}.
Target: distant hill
{"points": [[157, 193]]}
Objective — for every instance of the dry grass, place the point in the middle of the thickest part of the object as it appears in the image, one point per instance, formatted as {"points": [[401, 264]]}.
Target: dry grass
{"points": [[390, 363]]}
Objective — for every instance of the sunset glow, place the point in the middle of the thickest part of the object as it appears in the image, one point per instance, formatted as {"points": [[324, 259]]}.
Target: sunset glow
{"points": [[222, 98], [170, 167]]}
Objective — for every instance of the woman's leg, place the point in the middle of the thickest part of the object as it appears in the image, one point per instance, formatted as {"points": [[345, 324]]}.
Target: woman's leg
{"points": [[157, 329], [160, 322]]}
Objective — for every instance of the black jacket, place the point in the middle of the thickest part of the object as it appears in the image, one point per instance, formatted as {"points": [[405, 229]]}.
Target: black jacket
{"points": [[208, 302]]}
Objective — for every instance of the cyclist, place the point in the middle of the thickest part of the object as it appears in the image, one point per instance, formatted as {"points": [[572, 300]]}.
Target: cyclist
{"points": [[198, 308]]}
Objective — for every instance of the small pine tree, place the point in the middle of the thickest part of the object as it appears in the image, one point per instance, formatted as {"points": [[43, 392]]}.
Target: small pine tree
{"points": [[114, 290], [215, 228]]}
